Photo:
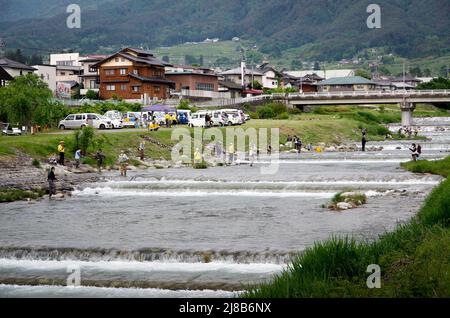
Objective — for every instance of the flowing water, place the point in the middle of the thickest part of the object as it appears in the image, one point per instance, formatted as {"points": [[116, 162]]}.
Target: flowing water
{"points": [[206, 233]]}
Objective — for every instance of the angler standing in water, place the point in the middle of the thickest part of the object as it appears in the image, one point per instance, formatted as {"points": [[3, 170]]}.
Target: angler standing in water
{"points": [[364, 140], [61, 151], [100, 157], [123, 162], [51, 182], [252, 154]]}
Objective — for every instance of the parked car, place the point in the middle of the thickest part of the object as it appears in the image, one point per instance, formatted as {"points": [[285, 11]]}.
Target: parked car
{"points": [[234, 118], [9, 130], [183, 116], [116, 118], [77, 121], [197, 120]]}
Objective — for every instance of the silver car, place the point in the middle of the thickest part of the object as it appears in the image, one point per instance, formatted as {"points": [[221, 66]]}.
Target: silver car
{"points": [[78, 121]]}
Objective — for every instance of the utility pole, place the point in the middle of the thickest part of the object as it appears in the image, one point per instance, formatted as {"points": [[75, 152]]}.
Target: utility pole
{"points": [[2, 46]]}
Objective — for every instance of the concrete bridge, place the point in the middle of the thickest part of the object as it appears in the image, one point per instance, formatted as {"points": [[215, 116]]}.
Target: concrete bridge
{"points": [[407, 100]]}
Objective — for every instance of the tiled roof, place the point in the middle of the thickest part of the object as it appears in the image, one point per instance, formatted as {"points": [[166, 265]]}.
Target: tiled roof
{"points": [[15, 65], [352, 80]]}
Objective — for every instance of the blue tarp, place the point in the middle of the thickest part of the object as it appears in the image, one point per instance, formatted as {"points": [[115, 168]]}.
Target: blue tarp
{"points": [[159, 108]]}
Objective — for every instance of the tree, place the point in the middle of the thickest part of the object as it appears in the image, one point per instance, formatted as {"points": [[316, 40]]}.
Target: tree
{"points": [[90, 94], [200, 61], [296, 64], [24, 98], [416, 71], [257, 85], [363, 73], [166, 59]]}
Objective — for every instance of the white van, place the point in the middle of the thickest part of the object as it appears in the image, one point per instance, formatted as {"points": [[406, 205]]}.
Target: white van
{"points": [[197, 120], [77, 121], [234, 117]]}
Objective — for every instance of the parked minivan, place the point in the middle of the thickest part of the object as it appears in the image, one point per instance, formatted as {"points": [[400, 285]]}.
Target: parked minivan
{"points": [[77, 121]]}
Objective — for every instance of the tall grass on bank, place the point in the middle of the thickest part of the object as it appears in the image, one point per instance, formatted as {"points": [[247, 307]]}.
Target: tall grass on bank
{"points": [[441, 167], [414, 261]]}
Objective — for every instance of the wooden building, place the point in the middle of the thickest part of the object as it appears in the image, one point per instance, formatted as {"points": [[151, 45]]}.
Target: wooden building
{"points": [[131, 74]]}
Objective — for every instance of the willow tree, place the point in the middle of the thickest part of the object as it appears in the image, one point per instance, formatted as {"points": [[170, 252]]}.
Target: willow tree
{"points": [[24, 98]]}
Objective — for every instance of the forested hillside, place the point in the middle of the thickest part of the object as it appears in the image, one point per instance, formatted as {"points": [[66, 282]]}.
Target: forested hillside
{"points": [[328, 29]]}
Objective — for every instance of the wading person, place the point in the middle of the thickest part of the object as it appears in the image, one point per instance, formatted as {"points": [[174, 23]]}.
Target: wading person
{"points": [[364, 141], [252, 154], [100, 157], [61, 151], [51, 182], [77, 158], [231, 153], [123, 162], [142, 150], [414, 152]]}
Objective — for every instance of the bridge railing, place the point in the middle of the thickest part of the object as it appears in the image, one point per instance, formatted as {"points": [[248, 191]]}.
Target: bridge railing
{"points": [[396, 93]]}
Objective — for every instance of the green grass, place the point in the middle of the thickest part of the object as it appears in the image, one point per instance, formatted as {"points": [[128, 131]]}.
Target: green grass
{"points": [[441, 167], [414, 261], [11, 195]]}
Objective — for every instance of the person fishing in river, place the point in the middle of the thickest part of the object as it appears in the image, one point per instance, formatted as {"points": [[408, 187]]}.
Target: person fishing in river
{"points": [[100, 157], [415, 151], [51, 182], [364, 139]]}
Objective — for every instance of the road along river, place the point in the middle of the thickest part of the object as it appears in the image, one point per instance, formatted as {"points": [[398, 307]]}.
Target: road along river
{"points": [[205, 233]]}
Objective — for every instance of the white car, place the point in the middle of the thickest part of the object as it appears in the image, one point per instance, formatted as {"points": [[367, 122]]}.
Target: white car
{"points": [[234, 117], [8, 130], [116, 119], [197, 120], [116, 123], [77, 121]]}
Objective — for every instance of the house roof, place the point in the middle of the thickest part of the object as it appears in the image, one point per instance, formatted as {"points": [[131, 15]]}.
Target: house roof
{"points": [[191, 73], [230, 85], [408, 78], [152, 79], [352, 80], [71, 83], [5, 62], [143, 57], [327, 74], [238, 71], [4, 75], [266, 67]]}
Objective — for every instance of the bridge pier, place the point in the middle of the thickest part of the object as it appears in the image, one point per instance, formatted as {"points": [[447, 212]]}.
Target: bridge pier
{"points": [[407, 113]]}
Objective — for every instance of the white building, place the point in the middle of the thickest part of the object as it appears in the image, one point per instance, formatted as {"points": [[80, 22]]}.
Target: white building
{"points": [[65, 59], [269, 78], [89, 76], [48, 74]]}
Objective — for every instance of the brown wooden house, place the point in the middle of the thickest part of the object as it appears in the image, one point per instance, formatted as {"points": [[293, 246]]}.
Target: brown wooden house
{"points": [[131, 74]]}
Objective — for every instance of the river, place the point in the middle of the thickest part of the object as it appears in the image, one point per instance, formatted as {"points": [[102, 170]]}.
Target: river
{"points": [[206, 233]]}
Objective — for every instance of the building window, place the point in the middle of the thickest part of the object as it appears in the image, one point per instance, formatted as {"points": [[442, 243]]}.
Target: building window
{"points": [[92, 84], [109, 72], [123, 71], [62, 73], [205, 87], [110, 87], [64, 63], [123, 87], [136, 89], [92, 70], [122, 59], [136, 72], [116, 59], [157, 89]]}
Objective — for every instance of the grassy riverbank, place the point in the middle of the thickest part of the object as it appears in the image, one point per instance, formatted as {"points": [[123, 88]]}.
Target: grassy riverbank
{"points": [[330, 125], [414, 259]]}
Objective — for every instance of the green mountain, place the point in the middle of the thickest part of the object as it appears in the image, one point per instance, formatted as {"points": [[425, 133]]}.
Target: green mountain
{"points": [[324, 29]]}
